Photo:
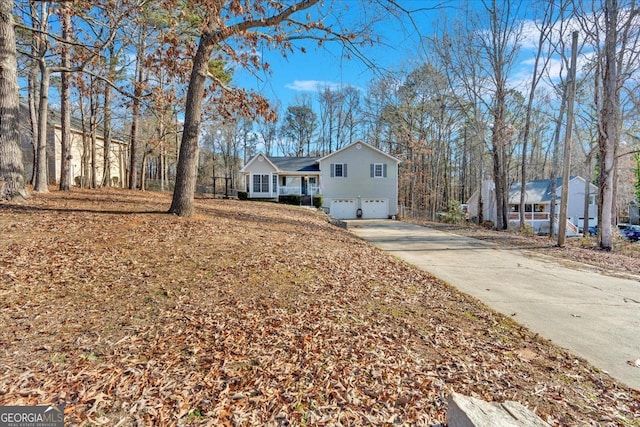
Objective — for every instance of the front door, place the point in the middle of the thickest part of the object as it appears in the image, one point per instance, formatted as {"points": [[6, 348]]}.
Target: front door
{"points": [[304, 186]]}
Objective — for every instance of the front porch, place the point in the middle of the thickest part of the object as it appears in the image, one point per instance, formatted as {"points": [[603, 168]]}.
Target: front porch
{"points": [[274, 186], [539, 222]]}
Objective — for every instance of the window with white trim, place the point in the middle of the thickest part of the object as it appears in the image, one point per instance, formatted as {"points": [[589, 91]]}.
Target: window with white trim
{"points": [[338, 170], [261, 183], [378, 170]]}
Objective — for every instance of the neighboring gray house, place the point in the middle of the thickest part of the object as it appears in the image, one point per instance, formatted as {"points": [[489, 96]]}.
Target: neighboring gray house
{"points": [[538, 204], [357, 181]]}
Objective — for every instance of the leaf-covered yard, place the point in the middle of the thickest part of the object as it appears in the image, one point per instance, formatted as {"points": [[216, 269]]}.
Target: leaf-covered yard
{"points": [[254, 314]]}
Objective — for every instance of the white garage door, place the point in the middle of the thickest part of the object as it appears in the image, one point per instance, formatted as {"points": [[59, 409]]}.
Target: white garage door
{"points": [[343, 208], [375, 208]]}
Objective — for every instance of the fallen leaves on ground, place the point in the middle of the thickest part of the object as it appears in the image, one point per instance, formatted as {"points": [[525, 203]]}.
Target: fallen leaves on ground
{"points": [[254, 314]]}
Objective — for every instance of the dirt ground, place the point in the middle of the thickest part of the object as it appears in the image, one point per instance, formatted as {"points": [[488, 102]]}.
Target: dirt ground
{"points": [[255, 314]]}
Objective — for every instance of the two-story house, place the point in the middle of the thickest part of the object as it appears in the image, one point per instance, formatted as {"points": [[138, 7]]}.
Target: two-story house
{"points": [[357, 181]]}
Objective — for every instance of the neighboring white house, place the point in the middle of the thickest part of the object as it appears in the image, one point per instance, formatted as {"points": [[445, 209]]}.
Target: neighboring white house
{"points": [[357, 181], [80, 148], [538, 204]]}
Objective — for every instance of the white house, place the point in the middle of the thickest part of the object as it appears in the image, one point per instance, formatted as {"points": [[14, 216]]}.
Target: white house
{"points": [[80, 148], [538, 204], [357, 181]]}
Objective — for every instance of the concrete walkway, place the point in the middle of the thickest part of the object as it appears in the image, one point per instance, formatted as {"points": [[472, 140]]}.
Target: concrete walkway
{"points": [[594, 316]]}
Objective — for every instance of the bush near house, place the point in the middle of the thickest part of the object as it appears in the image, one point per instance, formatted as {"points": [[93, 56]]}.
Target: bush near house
{"points": [[290, 199], [243, 195], [454, 214], [317, 201]]}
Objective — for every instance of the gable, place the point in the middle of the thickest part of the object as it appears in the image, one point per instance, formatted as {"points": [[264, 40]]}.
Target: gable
{"points": [[357, 149], [580, 181], [259, 164]]}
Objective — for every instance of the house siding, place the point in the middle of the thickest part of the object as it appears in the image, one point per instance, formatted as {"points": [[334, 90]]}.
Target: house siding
{"points": [[261, 168], [54, 152], [575, 207], [358, 184]]}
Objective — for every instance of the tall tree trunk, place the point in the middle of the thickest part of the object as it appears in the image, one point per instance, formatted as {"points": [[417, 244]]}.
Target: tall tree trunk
{"points": [[33, 83], [501, 47], [12, 185], [93, 118], [498, 151], [587, 190], [84, 167], [133, 150], [34, 94], [106, 164], [41, 182], [555, 163], [143, 171], [135, 114], [499, 188], [182, 203], [527, 123], [161, 153], [65, 104], [566, 158], [40, 163], [608, 124]]}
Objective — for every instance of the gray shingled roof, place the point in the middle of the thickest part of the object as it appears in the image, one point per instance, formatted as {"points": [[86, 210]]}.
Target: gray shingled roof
{"points": [[538, 191], [296, 164]]}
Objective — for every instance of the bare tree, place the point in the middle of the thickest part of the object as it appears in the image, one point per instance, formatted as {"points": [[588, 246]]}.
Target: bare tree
{"points": [[380, 94], [544, 32], [617, 57], [44, 51], [330, 101], [138, 87], [65, 99], [353, 114], [112, 60], [41, 181], [479, 62], [300, 124], [268, 131]]}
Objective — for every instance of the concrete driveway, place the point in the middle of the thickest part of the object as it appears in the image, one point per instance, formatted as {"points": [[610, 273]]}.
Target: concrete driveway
{"points": [[594, 316]]}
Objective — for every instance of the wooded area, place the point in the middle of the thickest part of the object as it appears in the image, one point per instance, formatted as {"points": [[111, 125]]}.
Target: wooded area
{"points": [[160, 73]]}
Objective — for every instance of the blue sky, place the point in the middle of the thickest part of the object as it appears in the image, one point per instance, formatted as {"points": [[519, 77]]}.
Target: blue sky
{"points": [[329, 65], [399, 49]]}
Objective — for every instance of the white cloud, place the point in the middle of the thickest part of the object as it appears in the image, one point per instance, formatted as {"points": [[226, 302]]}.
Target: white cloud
{"points": [[312, 85]]}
